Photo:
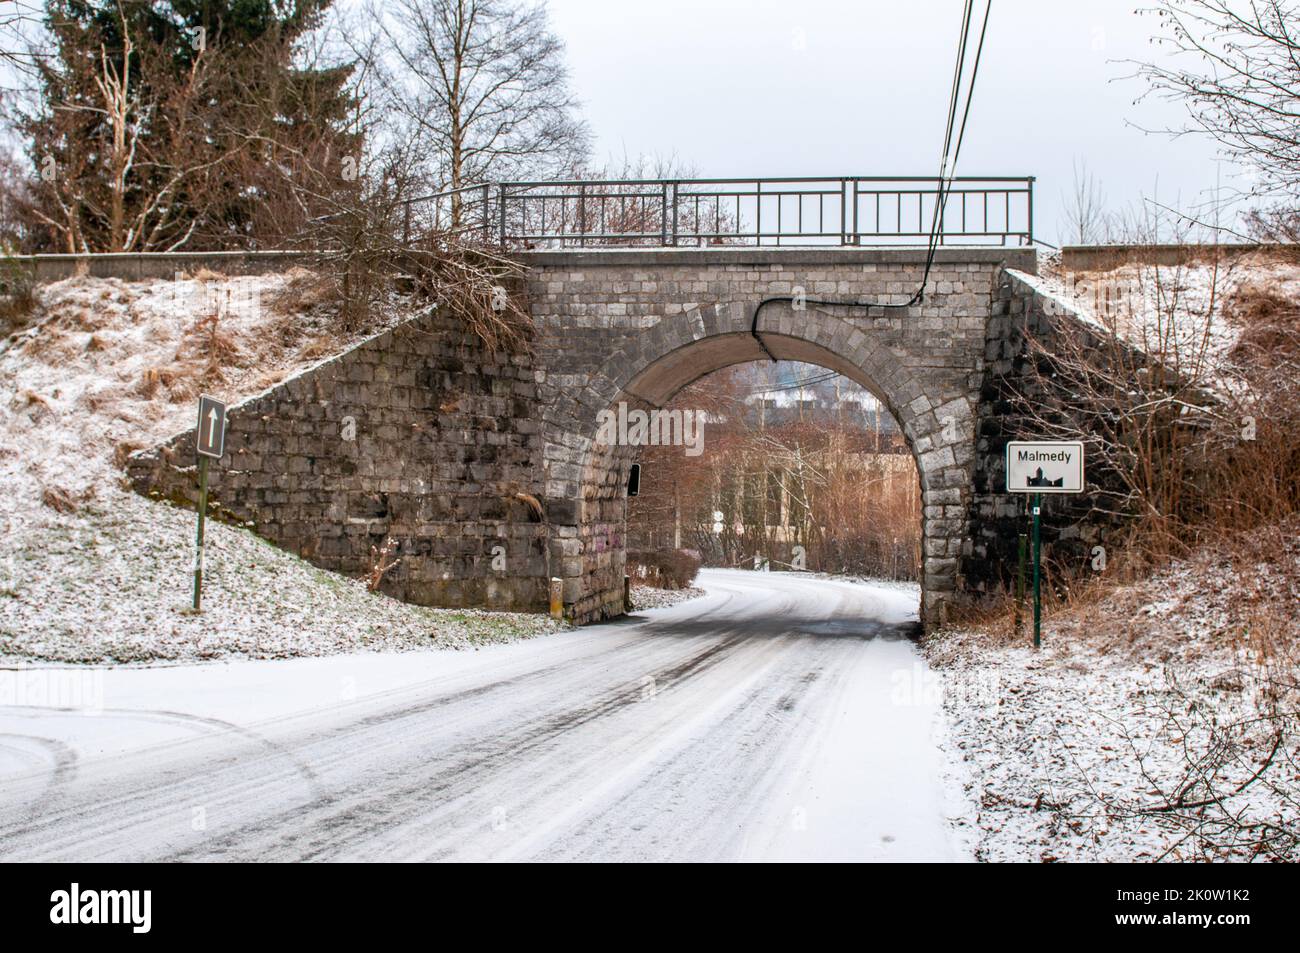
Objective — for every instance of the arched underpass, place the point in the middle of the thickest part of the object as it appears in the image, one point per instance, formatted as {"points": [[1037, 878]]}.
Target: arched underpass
{"points": [[769, 465], [637, 327]]}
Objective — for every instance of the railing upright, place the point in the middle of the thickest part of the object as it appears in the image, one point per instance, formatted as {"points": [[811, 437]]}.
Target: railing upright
{"points": [[502, 202], [663, 214], [676, 200], [855, 239], [844, 218], [1029, 225]]}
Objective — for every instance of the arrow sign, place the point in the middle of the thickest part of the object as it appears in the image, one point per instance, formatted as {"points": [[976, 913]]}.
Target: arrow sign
{"points": [[1046, 466], [211, 438]]}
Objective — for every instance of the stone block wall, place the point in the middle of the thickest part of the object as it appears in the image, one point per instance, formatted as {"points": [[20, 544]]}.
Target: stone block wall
{"points": [[1018, 386], [417, 435]]}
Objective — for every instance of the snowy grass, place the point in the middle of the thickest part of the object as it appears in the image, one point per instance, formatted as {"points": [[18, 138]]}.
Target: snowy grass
{"points": [[1176, 690], [1181, 312], [112, 583], [90, 572], [649, 597]]}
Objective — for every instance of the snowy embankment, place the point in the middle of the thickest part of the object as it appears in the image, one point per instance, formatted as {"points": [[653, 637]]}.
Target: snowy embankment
{"points": [[1181, 313], [1157, 723], [90, 572]]}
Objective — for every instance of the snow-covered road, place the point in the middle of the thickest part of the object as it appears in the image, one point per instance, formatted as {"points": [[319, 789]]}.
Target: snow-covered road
{"points": [[778, 717]]}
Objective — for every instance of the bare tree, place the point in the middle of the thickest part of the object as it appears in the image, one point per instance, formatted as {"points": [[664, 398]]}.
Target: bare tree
{"points": [[19, 19], [1086, 218], [789, 465], [1237, 68], [483, 86]]}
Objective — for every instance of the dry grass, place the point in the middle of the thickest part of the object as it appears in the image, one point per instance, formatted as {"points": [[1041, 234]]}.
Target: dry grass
{"points": [[171, 381], [515, 493], [1269, 319], [123, 450], [19, 306], [304, 291], [1237, 592], [207, 342], [65, 501]]}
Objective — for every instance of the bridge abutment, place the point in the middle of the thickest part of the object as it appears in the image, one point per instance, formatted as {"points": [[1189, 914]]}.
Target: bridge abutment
{"points": [[488, 473]]}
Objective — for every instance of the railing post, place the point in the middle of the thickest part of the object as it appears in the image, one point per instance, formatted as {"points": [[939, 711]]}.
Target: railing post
{"points": [[675, 201], [856, 239], [501, 201], [663, 215], [582, 216], [844, 222], [1029, 184]]}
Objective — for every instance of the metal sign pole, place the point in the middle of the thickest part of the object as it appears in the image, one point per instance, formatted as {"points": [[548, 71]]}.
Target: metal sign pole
{"points": [[1041, 468], [198, 540], [209, 444], [1038, 549]]}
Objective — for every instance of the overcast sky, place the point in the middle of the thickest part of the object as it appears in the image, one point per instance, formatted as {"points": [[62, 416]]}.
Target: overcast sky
{"points": [[836, 87], [739, 88]]}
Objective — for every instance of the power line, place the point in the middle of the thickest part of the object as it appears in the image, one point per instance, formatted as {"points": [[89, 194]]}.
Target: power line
{"points": [[941, 194], [948, 165], [796, 385]]}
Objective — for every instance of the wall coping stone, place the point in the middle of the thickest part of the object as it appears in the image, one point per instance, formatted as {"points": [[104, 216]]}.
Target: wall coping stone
{"points": [[1022, 259]]}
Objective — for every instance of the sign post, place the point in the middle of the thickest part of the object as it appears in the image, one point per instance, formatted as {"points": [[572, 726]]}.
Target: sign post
{"points": [[209, 444], [1038, 558], [1038, 467]]}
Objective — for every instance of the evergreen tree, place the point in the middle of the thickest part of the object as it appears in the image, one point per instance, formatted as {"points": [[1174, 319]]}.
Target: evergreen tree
{"points": [[186, 123]]}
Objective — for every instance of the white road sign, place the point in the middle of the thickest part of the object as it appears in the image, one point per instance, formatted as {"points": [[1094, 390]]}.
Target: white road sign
{"points": [[211, 439], [1052, 466]]}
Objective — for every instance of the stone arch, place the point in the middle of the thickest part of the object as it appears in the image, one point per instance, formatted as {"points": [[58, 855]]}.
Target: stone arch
{"points": [[585, 483]]}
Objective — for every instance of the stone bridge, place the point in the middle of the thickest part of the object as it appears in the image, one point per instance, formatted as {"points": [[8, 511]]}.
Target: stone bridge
{"points": [[638, 326], [419, 435]]}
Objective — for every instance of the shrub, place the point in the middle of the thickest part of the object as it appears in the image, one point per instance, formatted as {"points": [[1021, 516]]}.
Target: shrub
{"points": [[18, 300], [664, 569]]}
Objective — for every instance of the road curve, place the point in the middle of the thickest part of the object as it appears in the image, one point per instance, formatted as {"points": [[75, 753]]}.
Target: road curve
{"points": [[778, 718]]}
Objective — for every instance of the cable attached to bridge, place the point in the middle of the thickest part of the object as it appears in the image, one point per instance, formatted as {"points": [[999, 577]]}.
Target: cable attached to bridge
{"points": [[947, 168]]}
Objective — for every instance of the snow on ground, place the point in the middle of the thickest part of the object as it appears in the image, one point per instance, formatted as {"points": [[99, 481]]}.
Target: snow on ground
{"points": [[1143, 729], [1173, 310], [778, 717], [650, 597], [91, 572]]}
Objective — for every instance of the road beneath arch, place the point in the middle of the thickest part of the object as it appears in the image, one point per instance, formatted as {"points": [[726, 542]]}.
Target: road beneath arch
{"points": [[778, 718]]}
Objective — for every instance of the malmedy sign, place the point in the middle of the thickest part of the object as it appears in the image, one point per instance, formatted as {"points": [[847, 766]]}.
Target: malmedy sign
{"points": [[1054, 466]]}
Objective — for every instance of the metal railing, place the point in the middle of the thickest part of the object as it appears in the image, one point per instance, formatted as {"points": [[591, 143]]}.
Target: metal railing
{"points": [[846, 211]]}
